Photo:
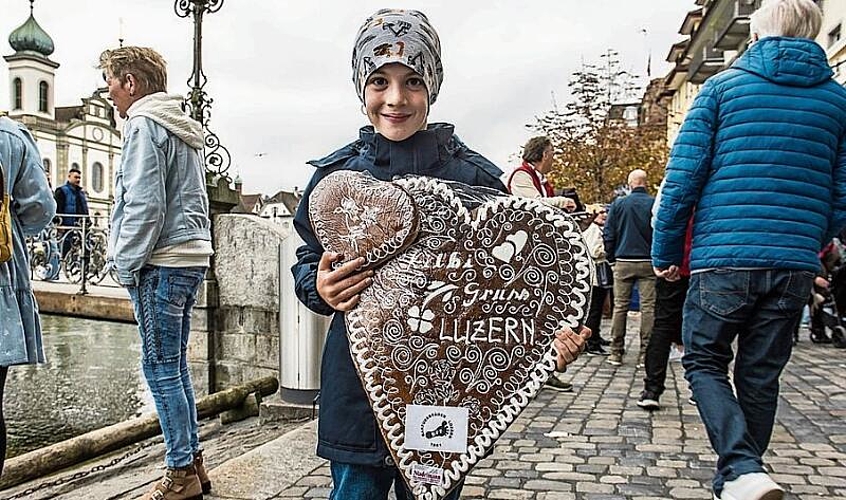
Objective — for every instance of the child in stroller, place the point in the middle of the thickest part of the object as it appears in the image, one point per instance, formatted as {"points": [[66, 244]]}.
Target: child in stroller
{"points": [[828, 300]]}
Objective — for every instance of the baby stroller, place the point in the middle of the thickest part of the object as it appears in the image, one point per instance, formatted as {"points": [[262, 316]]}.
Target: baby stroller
{"points": [[829, 303]]}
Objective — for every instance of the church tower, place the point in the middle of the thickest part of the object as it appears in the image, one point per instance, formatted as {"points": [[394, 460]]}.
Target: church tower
{"points": [[31, 72]]}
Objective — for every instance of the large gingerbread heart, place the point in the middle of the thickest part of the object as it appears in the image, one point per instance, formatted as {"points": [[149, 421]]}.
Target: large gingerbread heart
{"points": [[454, 337], [366, 217]]}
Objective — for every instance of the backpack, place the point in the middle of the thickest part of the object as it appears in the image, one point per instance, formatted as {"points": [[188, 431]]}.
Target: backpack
{"points": [[5, 220]]}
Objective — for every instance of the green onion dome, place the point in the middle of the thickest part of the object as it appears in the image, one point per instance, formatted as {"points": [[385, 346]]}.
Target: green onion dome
{"points": [[30, 37]]}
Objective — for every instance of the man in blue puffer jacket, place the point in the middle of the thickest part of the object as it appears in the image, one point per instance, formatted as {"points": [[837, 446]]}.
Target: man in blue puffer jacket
{"points": [[762, 157]]}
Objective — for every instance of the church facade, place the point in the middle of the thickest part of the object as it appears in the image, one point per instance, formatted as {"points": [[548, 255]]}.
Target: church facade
{"points": [[83, 136]]}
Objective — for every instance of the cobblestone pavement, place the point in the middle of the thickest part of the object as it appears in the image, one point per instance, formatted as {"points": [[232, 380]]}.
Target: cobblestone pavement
{"points": [[596, 444]]}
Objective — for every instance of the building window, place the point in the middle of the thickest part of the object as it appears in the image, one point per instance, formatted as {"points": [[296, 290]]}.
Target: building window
{"points": [[834, 35], [18, 93], [97, 175], [43, 89]]}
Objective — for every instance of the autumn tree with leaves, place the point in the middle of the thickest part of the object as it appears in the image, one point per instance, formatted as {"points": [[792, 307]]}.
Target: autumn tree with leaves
{"points": [[595, 148]]}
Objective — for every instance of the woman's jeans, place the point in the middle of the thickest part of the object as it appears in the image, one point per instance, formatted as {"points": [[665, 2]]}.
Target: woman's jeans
{"points": [[163, 301], [364, 482], [760, 308]]}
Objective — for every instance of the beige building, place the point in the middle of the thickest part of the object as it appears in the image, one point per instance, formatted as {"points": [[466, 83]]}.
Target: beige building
{"points": [[716, 32], [83, 136], [833, 36]]}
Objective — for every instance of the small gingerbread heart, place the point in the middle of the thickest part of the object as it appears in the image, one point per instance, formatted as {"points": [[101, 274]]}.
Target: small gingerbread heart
{"points": [[357, 215]]}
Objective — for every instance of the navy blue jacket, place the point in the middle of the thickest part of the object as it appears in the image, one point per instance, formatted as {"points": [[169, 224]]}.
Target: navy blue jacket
{"points": [[628, 228], [762, 157], [71, 199], [347, 431]]}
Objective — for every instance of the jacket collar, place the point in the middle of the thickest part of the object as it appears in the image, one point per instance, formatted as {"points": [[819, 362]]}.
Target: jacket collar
{"points": [[423, 151]]}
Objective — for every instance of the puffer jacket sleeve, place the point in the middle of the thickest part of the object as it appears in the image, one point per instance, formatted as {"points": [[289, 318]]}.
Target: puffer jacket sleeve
{"points": [[838, 194], [33, 201], [687, 172], [308, 257]]}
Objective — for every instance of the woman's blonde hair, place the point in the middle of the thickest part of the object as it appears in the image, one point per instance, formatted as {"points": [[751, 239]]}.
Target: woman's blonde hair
{"points": [[146, 65], [791, 18]]}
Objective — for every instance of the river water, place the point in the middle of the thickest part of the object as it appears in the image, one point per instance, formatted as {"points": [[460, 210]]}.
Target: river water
{"points": [[92, 379]]}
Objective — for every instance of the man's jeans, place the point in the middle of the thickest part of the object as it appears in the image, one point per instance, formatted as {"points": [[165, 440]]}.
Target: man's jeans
{"points": [[666, 330], [363, 482], [625, 276], [760, 308], [163, 301]]}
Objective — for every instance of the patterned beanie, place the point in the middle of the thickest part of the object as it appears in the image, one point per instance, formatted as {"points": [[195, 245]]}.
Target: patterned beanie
{"points": [[398, 36]]}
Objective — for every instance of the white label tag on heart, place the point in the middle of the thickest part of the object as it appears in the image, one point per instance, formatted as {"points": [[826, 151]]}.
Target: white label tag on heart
{"points": [[427, 474], [436, 428]]}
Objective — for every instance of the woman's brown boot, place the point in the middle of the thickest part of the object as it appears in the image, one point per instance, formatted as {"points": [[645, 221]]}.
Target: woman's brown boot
{"points": [[201, 472], [177, 484]]}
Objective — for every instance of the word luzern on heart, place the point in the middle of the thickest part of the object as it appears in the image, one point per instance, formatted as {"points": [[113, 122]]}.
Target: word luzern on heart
{"points": [[509, 331], [453, 338]]}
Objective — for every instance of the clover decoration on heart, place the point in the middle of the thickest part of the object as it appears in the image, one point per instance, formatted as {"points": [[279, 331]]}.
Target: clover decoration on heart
{"points": [[454, 337]]}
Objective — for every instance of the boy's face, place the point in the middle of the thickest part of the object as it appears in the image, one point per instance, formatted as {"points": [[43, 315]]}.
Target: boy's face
{"points": [[396, 101]]}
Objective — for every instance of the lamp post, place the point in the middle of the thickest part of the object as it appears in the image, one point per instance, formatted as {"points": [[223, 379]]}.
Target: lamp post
{"points": [[217, 157]]}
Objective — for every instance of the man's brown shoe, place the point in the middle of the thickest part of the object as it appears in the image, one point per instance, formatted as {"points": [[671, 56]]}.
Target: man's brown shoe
{"points": [[177, 484], [201, 472]]}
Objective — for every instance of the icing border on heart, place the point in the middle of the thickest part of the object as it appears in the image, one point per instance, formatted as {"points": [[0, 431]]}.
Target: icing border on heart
{"points": [[392, 423]]}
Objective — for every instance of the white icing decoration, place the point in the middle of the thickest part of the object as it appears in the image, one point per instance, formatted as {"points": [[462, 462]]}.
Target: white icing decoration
{"points": [[408, 297]]}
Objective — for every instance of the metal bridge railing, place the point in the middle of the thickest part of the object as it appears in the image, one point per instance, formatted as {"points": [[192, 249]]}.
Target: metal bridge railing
{"points": [[58, 253]]}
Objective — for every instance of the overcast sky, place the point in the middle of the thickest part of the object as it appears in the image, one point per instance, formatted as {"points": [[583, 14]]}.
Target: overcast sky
{"points": [[279, 70]]}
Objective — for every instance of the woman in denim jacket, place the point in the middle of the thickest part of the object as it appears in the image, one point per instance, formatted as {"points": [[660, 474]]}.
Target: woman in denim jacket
{"points": [[32, 207]]}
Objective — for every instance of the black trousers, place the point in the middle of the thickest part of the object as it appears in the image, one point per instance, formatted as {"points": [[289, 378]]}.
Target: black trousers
{"points": [[669, 306], [594, 317]]}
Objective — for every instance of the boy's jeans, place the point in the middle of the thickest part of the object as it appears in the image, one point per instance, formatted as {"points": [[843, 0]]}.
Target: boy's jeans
{"points": [[760, 308], [363, 482], [163, 301]]}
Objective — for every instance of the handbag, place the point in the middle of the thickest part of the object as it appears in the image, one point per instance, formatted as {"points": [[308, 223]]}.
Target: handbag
{"points": [[5, 220], [604, 275]]}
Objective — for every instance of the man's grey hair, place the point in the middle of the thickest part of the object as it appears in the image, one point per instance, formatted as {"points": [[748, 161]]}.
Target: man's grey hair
{"points": [[637, 178], [790, 18]]}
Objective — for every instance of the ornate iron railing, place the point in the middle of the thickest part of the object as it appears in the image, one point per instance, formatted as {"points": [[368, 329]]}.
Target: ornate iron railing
{"points": [[58, 253]]}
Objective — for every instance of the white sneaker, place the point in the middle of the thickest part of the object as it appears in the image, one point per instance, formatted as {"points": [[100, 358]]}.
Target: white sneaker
{"points": [[754, 486]]}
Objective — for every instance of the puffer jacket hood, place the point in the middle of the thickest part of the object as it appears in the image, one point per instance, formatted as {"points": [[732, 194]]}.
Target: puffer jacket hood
{"points": [[166, 110], [798, 62]]}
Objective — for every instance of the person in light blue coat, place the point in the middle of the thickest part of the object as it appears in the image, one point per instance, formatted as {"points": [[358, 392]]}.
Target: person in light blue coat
{"points": [[762, 157], [32, 208]]}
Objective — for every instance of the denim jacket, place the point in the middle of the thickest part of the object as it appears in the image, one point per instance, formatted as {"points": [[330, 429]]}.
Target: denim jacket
{"points": [[32, 209], [160, 188]]}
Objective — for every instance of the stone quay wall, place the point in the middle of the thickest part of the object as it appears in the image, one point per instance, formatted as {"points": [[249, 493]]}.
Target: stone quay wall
{"points": [[235, 335]]}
